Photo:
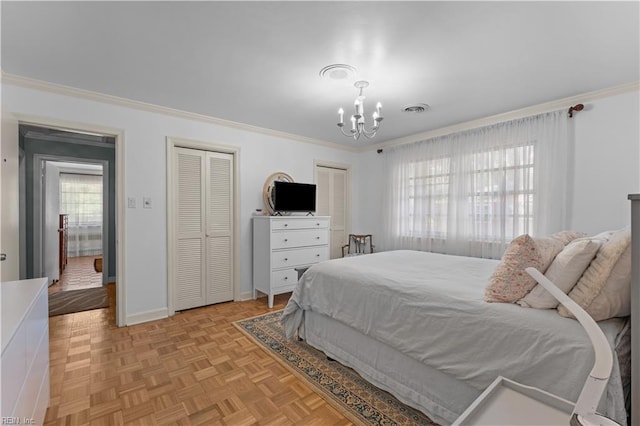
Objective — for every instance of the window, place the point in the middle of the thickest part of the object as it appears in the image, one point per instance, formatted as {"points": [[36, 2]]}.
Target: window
{"points": [[501, 196], [428, 198], [81, 200], [470, 193], [499, 199]]}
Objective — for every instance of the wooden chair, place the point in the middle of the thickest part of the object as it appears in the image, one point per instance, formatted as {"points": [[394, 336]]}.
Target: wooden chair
{"points": [[358, 244]]}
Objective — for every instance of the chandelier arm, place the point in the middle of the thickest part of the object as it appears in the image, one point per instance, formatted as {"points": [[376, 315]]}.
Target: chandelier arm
{"points": [[350, 134]]}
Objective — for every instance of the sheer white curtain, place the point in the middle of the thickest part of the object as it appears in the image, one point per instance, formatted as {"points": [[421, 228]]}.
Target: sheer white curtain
{"points": [[81, 199], [471, 193]]}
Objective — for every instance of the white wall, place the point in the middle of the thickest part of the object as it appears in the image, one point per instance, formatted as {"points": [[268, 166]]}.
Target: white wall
{"points": [[145, 176], [606, 167], [606, 163], [371, 184]]}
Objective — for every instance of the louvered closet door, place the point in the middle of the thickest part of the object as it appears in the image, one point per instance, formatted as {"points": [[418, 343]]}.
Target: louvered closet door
{"points": [[190, 213], [219, 222], [332, 201]]}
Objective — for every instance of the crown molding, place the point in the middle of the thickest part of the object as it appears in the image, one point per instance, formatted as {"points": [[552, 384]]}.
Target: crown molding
{"points": [[30, 83], [511, 115]]}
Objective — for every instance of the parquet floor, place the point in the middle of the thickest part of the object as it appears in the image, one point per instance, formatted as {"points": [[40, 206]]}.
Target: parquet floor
{"points": [[195, 368], [78, 274]]}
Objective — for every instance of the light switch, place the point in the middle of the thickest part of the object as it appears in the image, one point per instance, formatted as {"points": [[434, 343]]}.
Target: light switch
{"points": [[146, 202], [131, 202]]}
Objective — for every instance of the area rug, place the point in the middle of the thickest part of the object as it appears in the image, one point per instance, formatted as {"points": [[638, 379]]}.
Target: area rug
{"points": [[67, 302], [343, 388]]}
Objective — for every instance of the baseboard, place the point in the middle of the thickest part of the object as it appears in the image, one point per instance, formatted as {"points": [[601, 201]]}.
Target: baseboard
{"points": [[247, 295], [147, 316]]}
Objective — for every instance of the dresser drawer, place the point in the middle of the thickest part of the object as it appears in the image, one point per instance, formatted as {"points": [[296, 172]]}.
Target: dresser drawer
{"points": [[304, 256], [300, 223], [299, 238], [283, 280]]}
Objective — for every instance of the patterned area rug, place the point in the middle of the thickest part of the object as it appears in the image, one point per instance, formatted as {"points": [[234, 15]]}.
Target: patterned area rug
{"points": [[354, 397], [67, 302]]}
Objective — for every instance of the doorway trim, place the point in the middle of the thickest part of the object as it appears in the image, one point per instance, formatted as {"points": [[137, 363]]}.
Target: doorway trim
{"points": [[176, 142], [118, 134], [38, 208]]}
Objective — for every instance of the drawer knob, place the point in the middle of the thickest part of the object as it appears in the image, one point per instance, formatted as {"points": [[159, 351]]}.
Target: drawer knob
{"points": [[317, 255], [317, 238], [286, 224], [285, 259], [317, 224], [285, 240], [286, 278]]}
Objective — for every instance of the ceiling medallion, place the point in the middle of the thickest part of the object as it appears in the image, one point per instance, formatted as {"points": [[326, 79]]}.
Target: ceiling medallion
{"points": [[357, 120], [338, 72]]}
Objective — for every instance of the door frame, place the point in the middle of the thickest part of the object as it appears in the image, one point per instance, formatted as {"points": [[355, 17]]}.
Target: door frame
{"points": [[176, 142], [118, 134], [340, 166], [39, 199]]}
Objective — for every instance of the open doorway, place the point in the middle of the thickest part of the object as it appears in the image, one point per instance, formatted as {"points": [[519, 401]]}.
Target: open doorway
{"points": [[73, 225], [69, 207]]}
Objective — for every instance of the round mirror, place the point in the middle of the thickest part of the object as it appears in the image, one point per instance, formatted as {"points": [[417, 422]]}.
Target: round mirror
{"points": [[268, 187]]}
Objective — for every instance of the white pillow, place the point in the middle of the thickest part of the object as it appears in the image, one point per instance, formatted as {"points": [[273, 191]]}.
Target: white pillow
{"points": [[567, 236], [595, 277], [615, 298], [565, 271]]}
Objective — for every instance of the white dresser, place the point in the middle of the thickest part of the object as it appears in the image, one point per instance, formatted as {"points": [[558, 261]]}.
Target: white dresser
{"points": [[281, 244], [25, 351]]}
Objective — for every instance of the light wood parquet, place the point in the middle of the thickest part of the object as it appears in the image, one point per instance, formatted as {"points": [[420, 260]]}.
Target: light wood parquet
{"points": [[195, 368], [78, 274]]}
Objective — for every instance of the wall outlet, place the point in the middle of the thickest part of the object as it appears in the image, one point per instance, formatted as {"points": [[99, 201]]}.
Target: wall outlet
{"points": [[131, 202], [146, 202]]}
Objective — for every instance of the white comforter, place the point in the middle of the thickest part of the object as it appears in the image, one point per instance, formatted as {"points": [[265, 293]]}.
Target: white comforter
{"points": [[430, 307]]}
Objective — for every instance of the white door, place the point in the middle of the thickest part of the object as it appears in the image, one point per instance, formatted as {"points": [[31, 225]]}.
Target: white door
{"points": [[332, 184], [9, 213], [51, 237], [204, 223], [219, 224]]}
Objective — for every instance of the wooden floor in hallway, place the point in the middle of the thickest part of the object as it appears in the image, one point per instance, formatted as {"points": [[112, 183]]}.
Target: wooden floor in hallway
{"points": [[78, 274], [194, 368]]}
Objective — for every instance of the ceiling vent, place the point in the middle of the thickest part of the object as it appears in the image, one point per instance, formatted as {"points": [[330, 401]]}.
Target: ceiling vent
{"points": [[338, 72], [416, 108]]}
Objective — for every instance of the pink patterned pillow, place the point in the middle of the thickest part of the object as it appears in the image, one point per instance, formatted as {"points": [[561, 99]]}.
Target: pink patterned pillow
{"points": [[510, 282]]}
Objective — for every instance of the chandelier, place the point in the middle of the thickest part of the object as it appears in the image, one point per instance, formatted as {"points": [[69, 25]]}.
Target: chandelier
{"points": [[357, 120]]}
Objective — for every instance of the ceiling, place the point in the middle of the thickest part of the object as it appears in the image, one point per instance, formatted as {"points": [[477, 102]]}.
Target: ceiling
{"points": [[258, 63]]}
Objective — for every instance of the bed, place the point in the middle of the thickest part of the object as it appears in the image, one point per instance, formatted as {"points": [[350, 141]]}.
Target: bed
{"points": [[415, 324]]}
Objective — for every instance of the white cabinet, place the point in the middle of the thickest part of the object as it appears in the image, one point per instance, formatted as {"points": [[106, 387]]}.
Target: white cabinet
{"points": [[25, 350], [281, 244]]}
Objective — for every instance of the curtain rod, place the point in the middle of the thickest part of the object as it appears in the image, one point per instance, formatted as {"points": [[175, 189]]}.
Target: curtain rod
{"points": [[576, 107]]}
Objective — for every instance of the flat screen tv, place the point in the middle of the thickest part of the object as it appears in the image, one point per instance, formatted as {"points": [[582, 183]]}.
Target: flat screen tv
{"points": [[293, 197]]}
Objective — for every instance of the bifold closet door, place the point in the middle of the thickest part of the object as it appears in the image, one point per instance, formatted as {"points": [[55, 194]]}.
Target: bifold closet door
{"points": [[204, 224], [219, 226], [332, 201]]}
